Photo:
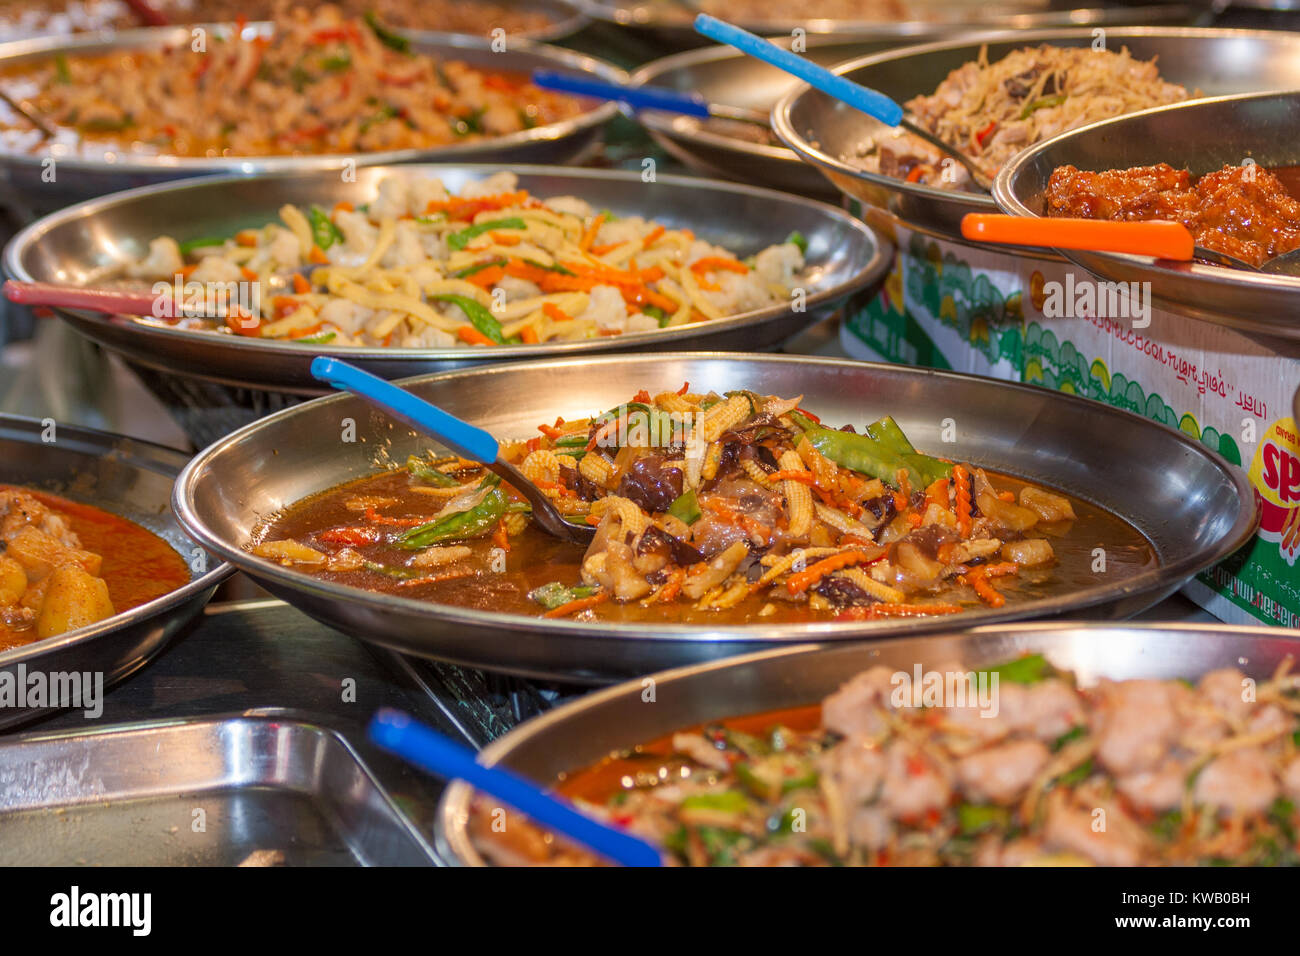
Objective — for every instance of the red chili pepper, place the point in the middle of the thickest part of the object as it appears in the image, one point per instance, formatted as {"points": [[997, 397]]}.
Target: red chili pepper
{"points": [[986, 132], [915, 175], [353, 536]]}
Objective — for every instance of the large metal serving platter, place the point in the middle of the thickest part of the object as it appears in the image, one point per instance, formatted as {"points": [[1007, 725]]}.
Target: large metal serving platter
{"points": [[25, 183], [824, 131], [670, 20], [270, 784], [1113, 458], [1201, 137], [88, 241], [129, 478], [584, 732]]}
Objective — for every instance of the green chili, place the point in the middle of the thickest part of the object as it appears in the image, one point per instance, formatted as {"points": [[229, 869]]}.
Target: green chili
{"points": [[1043, 102], [419, 468], [555, 594], [478, 315], [459, 240], [686, 508], [881, 455], [477, 267], [320, 338], [1029, 669], [323, 231], [189, 245], [394, 41], [797, 239], [976, 818], [474, 523]]}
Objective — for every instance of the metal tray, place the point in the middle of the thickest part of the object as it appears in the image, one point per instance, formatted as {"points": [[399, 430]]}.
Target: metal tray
{"points": [[22, 175], [1095, 452], [290, 791], [581, 733], [132, 479], [1201, 137], [86, 241], [824, 131], [670, 20]]}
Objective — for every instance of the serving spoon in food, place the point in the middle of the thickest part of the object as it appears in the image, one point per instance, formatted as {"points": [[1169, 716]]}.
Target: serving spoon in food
{"points": [[461, 437], [424, 747], [1158, 238], [875, 104], [640, 98]]}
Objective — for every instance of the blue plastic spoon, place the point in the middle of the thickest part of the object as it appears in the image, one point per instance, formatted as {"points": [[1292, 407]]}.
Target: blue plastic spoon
{"points": [[461, 437], [646, 97], [429, 750], [874, 104]]}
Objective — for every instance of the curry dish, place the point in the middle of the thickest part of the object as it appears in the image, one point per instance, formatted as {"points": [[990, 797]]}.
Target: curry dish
{"points": [[1008, 768], [709, 509], [65, 565]]}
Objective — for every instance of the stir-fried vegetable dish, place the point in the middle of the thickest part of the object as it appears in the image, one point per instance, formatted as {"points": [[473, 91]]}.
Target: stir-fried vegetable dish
{"points": [[1015, 765], [739, 507]]}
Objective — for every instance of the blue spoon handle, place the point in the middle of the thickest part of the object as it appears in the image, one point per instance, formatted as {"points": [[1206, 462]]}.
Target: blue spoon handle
{"points": [[461, 437], [429, 750], [637, 97], [859, 97]]}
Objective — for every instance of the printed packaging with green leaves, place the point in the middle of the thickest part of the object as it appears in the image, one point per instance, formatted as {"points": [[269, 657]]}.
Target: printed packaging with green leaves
{"points": [[950, 305]]}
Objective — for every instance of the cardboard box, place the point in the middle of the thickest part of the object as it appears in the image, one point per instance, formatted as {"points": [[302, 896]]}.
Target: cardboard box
{"points": [[954, 306]]}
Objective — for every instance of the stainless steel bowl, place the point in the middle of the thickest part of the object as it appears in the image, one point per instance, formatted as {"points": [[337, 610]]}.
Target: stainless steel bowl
{"points": [[83, 242], [1201, 137], [27, 187], [670, 20], [582, 733], [828, 133], [1118, 460], [723, 75], [129, 478]]}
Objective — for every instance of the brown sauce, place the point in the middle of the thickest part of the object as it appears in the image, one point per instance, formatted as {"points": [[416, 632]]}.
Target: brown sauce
{"points": [[536, 558]]}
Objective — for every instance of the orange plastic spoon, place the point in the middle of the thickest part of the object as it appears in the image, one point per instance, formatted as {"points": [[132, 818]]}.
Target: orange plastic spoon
{"points": [[1152, 237]]}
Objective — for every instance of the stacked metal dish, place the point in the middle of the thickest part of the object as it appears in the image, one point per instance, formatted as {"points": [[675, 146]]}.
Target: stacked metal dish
{"points": [[1200, 137], [129, 478], [829, 134], [1114, 459]]}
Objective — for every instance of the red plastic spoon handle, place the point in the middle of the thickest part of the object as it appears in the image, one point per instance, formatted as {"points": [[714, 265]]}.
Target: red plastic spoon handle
{"points": [[109, 301]]}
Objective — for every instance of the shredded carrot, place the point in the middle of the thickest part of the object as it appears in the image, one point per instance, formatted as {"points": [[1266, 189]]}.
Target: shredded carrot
{"points": [[554, 312], [915, 519], [718, 264], [961, 482], [533, 444], [999, 570], [564, 610], [904, 482], [807, 477], [374, 517], [485, 278], [246, 237], [589, 235], [457, 208], [300, 284], [905, 610], [654, 235], [605, 248], [592, 519], [501, 537], [815, 572], [317, 256], [343, 207], [526, 270], [472, 336], [686, 387], [549, 431], [248, 273], [980, 585], [937, 493], [505, 238], [528, 334], [671, 587], [900, 501], [309, 330]]}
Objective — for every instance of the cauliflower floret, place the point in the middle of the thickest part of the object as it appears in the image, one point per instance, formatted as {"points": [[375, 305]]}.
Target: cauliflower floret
{"points": [[615, 231], [348, 316], [779, 263], [606, 308], [502, 182], [393, 199], [216, 269], [358, 234], [162, 261], [640, 322], [283, 252], [406, 249], [571, 206], [424, 190]]}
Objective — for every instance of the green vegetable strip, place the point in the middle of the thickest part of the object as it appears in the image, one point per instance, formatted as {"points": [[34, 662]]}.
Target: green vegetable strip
{"points": [[421, 469], [459, 240], [686, 508], [478, 315], [474, 523], [189, 245], [880, 455], [323, 231], [388, 38]]}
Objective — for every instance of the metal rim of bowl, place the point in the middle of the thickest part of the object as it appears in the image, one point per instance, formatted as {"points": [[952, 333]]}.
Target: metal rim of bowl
{"points": [[16, 52], [1007, 201], [783, 126], [626, 15], [169, 461], [869, 272], [1179, 569], [456, 848]]}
